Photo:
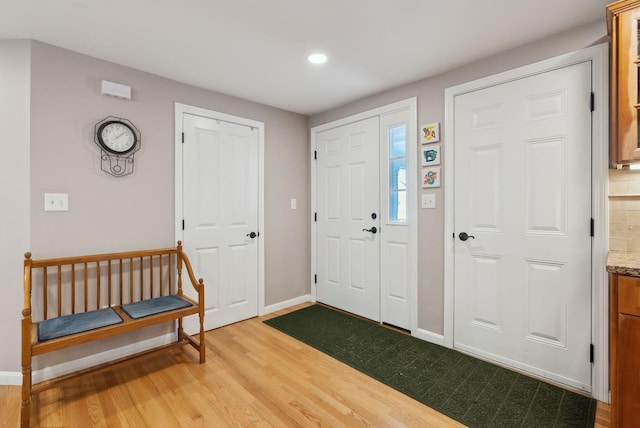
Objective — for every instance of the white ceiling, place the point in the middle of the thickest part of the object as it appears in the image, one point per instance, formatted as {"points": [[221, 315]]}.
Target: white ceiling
{"points": [[257, 49]]}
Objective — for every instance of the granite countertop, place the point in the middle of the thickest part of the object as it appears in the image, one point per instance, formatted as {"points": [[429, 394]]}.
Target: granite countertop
{"points": [[624, 263]]}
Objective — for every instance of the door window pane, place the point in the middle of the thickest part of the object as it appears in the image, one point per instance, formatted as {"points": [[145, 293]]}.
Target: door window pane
{"points": [[397, 141]]}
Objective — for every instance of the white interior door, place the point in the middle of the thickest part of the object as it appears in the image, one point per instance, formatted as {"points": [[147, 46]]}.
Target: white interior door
{"points": [[523, 194], [220, 211], [347, 186]]}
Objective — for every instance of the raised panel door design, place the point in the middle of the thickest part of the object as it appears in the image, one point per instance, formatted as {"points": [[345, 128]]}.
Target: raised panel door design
{"points": [[397, 258], [487, 117], [348, 257], [486, 167], [332, 192], [546, 106], [546, 303], [207, 154], [220, 203], [332, 257], [240, 281], [528, 264], [207, 265], [357, 265], [546, 198], [357, 183], [487, 293], [241, 178]]}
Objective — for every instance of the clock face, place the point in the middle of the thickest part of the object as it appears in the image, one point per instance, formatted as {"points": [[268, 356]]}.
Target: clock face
{"points": [[117, 137]]}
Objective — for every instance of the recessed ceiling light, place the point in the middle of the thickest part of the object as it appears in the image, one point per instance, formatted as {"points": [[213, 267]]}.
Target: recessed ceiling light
{"points": [[317, 58]]}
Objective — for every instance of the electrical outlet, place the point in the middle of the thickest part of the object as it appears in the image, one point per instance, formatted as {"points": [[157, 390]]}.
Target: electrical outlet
{"points": [[56, 202]]}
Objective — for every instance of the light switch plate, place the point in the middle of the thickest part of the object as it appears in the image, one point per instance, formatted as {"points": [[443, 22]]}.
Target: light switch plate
{"points": [[56, 202], [294, 204], [428, 200]]}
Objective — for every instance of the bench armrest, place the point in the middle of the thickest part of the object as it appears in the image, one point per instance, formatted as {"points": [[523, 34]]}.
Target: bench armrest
{"points": [[197, 284]]}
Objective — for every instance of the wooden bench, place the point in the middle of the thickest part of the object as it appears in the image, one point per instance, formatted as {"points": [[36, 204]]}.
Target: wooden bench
{"points": [[74, 300]]}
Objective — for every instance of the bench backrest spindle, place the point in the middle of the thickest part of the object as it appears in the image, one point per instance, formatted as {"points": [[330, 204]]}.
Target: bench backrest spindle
{"points": [[160, 276], [98, 291], [141, 277], [86, 292], [109, 283], [44, 292], [59, 290], [73, 289]]}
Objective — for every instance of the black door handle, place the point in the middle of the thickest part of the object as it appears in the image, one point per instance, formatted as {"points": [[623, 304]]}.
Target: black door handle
{"points": [[252, 235], [464, 236], [373, 230]]}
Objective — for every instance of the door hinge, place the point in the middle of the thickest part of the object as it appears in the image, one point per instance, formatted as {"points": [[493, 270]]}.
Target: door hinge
{"points": [[591, 352], [592, 102], [183, 138], [182, 224], [315, 279], [315, 216], [315, 155], [593, 228]]}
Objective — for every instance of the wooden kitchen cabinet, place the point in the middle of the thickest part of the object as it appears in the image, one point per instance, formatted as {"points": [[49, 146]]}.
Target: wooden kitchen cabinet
{"points": [[623, 22], [625, 350]]}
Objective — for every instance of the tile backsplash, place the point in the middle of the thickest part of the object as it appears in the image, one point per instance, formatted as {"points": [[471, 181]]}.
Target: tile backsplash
{"points": [[624, 210]]}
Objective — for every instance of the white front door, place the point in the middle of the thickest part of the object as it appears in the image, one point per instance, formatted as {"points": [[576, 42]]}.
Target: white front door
{"points": [[523, 195], [220, 211], [348, 248]]}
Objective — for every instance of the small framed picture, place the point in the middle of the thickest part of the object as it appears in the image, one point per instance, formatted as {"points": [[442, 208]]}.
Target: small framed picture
{"points": [[431, 155], [430, 177], [430, 132]]}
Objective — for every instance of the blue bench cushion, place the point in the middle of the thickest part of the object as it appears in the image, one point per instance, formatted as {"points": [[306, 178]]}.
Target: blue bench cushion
{"points": [[154, 306], [76, 323]]}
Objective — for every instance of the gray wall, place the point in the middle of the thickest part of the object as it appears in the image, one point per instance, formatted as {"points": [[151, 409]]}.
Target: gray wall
{"points": [[14, 185], [430, 93], [137, 211]]}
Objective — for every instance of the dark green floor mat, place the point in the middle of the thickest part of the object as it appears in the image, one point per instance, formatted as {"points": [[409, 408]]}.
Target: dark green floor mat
{"points": [[471, 391]]}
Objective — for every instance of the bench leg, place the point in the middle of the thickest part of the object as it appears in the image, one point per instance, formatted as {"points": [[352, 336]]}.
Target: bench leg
{"points": [[25, 408], [202, 345], [180, 330]]}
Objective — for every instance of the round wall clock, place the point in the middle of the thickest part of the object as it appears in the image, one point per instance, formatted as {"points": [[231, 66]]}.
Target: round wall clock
{"points": [[118, 139]]}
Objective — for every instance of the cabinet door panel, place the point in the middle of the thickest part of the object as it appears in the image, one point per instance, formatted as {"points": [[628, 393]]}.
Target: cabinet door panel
{"points": [[629, 295], [628, 375]]}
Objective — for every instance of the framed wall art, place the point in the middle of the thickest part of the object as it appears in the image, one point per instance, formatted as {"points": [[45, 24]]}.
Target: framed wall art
{"points": [[430, 132], [431, 155], [430, 177]]}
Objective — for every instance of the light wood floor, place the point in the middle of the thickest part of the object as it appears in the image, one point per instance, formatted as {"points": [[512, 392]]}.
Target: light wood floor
{"points": [[254, 376]]}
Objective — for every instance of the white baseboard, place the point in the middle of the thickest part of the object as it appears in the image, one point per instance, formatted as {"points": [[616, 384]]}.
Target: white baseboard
{"points": [[286, 304], [100, 358], [429, 336], [10, 378]]}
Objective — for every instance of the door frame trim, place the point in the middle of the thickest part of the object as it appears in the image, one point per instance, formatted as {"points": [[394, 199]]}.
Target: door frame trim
{"points": [[598, 55], [412, 196], [180, 110]]}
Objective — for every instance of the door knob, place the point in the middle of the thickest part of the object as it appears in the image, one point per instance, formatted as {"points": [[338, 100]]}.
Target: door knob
{"points": [[464, 236], [252, 235], [373, 230]]}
